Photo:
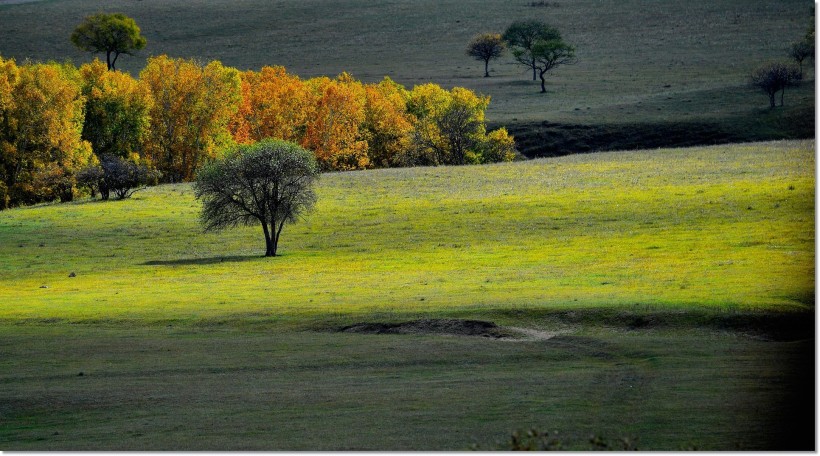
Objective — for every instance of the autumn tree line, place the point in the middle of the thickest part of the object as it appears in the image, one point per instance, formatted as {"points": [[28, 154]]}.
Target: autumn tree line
{"points": [[65, 130]]}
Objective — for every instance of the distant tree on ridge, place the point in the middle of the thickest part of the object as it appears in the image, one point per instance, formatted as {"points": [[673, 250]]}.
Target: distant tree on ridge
{"points": [[113, 34]]}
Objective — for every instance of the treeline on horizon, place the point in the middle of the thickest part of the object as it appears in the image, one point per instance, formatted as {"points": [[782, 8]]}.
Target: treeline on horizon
{"points": [[57, 121]]}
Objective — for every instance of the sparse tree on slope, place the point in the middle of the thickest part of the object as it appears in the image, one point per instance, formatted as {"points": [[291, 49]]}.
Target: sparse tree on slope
{"points": [[269, 183], [486, 47], [773, 78]]}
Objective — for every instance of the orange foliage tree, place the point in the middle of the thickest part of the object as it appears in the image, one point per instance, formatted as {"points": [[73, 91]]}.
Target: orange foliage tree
{"points": [[274, 104], [351, 125], [193, 105], [41, 118], [332, 131]]}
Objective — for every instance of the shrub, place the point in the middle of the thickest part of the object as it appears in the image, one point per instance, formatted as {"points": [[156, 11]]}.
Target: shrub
{"points": [[117, 175]]}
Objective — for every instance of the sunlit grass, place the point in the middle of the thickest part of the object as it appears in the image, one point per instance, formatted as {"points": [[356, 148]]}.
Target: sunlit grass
{"points": [[729, 227]]}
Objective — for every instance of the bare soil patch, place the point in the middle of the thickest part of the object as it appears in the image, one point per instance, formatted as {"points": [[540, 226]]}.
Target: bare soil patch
{"points": [[454, 327]]}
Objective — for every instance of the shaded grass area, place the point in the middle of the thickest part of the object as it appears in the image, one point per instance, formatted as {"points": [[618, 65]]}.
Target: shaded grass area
{"points": [[630, 52], [94, 387], [650, 74], [549, 139]]}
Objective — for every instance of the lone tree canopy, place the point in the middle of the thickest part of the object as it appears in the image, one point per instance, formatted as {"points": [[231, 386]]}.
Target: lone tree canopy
{"points": [[269, 183], [113, 34], [522, 35], [486, 47], [775, 77]]}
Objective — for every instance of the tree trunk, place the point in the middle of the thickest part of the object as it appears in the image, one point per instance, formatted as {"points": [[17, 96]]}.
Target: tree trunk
{"points": [[108, 59], [533, 69], [771, 99], [270, 246], [114, 62], [486, 71], [781, 95], [543, 86]]}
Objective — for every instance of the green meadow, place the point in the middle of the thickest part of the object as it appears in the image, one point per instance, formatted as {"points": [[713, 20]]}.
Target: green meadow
{"points": [[672, 291], [722, 227], [655, 298]]}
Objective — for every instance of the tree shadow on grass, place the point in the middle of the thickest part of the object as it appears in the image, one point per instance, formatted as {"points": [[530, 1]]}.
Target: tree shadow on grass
{"points": [[201, 261]]}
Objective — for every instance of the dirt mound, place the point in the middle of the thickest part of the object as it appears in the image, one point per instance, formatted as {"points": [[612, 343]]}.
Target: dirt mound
{"points": [[433, 326]]}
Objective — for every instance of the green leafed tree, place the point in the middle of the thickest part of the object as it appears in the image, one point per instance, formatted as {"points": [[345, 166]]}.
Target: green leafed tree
{"points": [[113, 34], [268, 183], [486, 47], [520, 36], [550, 54]]}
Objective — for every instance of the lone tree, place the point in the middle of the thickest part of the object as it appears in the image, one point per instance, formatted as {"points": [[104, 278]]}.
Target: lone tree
{"points": [[775, 77], [550, 54], [522, 35], [486, 47], [113, 34], [269, 183]]}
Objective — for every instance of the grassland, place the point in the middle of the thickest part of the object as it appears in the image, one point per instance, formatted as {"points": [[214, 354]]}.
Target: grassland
{"points": [[679, 286], [650, 63], [726, 228]]}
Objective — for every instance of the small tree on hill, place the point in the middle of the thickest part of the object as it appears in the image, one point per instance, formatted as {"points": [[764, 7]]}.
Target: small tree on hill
{"points": [[269, 183], [550, 54], [775, 77], [486, 47], [113, 34], [522, 35], [799, 51]]}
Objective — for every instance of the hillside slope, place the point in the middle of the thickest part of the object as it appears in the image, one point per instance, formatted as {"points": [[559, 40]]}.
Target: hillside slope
{"points": [[639, 60], [726, 227]]}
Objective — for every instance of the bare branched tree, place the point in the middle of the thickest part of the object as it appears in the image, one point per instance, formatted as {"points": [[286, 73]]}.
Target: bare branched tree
{"points": [[775, 77]]}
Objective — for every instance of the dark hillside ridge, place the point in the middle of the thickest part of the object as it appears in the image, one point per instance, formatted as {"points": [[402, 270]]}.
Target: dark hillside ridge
{"points": [[552, 139]]}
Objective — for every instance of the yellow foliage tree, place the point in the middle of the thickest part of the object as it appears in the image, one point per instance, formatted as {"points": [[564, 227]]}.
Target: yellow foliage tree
{"points": [[116, 111], [498, 146], [41, 118], [387, 125], [448, 126], [193, 105]]}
